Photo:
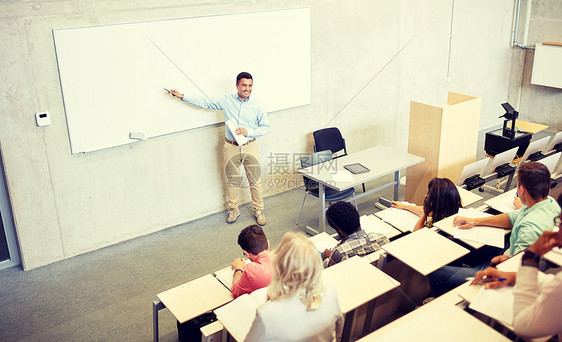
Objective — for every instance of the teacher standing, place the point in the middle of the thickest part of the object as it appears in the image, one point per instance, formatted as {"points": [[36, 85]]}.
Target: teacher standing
{"points": [[252, 122]]}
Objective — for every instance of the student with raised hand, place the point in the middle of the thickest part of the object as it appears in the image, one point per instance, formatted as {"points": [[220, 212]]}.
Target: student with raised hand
{"points": [[441, 201], [300, 306], [257, 274], [344, 218], [527, 223]]}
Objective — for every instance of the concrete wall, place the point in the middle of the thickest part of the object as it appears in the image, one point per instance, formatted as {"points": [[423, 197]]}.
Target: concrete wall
{"points": [[540, 21], [370, 58]]}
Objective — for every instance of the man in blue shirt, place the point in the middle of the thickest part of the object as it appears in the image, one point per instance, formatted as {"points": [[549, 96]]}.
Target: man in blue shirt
{"points": [[250, 121], [526, 224]]}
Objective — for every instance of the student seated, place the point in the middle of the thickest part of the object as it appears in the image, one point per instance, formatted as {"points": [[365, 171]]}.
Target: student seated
{"points": [[344, 218], [300, 306], [537, 309], [527, 224], [257, 273], [441, 201]]}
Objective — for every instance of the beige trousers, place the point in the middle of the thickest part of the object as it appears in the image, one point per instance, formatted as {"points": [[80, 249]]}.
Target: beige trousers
{"points": [[249, 156]]}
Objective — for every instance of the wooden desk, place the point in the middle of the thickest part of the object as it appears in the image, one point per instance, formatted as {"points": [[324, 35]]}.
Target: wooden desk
{"points": [[380, 160], [468, 197], [439, 320], [446, 225], [190, 300], [425, 250], [504, 202], [529, 127]]}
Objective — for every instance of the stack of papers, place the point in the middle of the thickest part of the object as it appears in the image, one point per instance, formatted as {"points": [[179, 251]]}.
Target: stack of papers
{"points": [[483, 234], [401, 219], [371, 224]]}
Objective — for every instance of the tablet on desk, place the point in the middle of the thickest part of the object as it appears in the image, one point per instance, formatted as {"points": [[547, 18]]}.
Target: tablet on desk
{"points": [[356, 168]]}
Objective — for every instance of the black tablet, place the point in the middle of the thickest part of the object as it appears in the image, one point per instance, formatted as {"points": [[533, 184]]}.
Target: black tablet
{"points": [[356, 168]]}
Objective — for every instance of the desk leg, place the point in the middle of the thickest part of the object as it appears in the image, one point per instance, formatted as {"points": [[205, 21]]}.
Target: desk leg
{"points": [[322, 197], [347, 325], [508, 183], [157, 305], [397, 184], [368, 317]]}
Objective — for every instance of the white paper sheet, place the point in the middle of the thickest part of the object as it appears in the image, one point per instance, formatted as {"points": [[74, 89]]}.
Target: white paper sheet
{"points": [[226, 275], [239, 314], [504, 202], [487, 235], [240, 139], [323, 241], [402, 219], [495, 303], [371, 224], [342, 176]]}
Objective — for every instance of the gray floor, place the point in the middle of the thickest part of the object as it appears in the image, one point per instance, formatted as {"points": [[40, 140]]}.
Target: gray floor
{"points": [[107, 295]]}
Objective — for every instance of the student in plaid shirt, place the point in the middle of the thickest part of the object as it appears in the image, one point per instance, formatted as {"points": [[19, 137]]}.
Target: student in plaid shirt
{"points": [[344, 218]]}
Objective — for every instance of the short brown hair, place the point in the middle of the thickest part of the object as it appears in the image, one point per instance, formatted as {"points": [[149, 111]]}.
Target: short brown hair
{"points": [[252, 239], [535, 178]]}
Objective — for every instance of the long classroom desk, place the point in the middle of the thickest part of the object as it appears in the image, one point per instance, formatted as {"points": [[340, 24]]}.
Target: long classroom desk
{"points": [[425, 250], [439, 320], [356, 281], [380, 160], [190, 300]]}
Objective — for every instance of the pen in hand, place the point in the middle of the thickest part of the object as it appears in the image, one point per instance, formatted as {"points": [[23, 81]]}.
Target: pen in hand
{"points": [[485, 279]]}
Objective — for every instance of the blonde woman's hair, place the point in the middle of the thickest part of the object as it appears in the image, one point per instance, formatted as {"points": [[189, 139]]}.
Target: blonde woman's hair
{"points": [[297, 271]]}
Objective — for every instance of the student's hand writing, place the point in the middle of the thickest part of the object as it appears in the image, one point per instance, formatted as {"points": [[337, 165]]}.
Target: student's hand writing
{"points": [[326, 254], [492, 278], [464, 222], [546, 242], [517, 203], [498, 259], [238, 264]]}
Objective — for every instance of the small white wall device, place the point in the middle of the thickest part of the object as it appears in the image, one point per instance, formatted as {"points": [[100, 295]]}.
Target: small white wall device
{"points": [[43, 119]]}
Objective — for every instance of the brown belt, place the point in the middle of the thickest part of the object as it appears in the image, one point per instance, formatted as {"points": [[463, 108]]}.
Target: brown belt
{"points": [[236, 144]]}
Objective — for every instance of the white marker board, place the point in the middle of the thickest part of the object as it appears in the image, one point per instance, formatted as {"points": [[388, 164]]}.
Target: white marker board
{"points": [[547, 65], [112, 76]]}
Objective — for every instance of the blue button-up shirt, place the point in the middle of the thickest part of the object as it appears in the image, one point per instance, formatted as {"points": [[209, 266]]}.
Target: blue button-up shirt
{"points": [[247, 114]]}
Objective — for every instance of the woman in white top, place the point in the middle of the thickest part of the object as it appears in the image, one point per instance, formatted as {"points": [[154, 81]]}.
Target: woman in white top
{"points": [[300, 307]]}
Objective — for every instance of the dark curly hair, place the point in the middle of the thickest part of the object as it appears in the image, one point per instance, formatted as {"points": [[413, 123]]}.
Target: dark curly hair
{"points": [[344, 217]]}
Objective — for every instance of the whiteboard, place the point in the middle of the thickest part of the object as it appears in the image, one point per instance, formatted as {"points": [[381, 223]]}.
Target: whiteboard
{"points": [[112, 77], [547, 65]]}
